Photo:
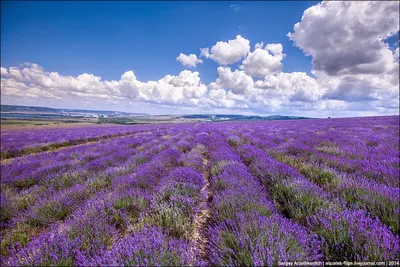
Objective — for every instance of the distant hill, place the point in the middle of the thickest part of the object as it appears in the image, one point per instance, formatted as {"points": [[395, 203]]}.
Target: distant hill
{"points": [[106, 116], [62, 112], [230, 117]]}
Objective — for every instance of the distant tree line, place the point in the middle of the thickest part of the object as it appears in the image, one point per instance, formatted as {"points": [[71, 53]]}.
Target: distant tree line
{"points": [[117, 120]]}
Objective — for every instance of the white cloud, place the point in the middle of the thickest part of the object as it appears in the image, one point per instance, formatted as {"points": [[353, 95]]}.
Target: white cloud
{"points": [[229, 52], [218, 98], [285, 93], [295, 86], [362, 87], [262, 62], [348, 37], [272, 94], [336, 105], [237, 81], [259, 45], [170, 89], [32, 81], [189, 60], [350, 58], [4, 72]]}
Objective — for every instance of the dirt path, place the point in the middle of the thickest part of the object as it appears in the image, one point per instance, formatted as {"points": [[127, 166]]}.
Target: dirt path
{"points": [[201, 236]]}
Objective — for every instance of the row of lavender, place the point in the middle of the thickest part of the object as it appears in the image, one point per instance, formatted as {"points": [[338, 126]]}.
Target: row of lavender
{"points": [[15, 143], [135, 200], [246, 227]]}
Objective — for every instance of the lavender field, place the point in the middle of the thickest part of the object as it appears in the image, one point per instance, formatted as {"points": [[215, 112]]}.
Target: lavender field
{"points": [[229, 193]]}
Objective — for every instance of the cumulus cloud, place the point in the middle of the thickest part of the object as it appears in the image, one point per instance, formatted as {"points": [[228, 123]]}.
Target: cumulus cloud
{"points": [[348, 37], [226, 53], [352, 89], [238, 81], [32, 81], [35, 78], [181, 89], [4, 72], [295, 86], [274, 93], [259, 45], [351, 60], [262, 62], [189, 60], [218, 97], [285, 93], [361, 88]]}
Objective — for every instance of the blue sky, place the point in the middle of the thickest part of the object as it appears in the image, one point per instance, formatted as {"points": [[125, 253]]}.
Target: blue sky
{"points": [[108, 39]]}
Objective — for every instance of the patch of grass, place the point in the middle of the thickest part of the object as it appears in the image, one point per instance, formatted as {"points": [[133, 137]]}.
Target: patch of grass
{"points": [[133, 205], [234, 141], [66, 180], [355, 156], [164, 258], [297, 151], [174, 220], [339, 244], [327, 143], [49, 261], [200, 149], [251, 207], [141, 160], [178, 189], [267, 179], [25, 200], [383, 208], [339, 166], [5, 154], [229, 207], [331, 150], [296, 202], [142, 184], [91, 234], [21, 233], [168, 258], [372, 143], [231, 247], [5, 212], [317, 174], [48, 213], [174, 209], [226, 211], [100, 182], [24, 183], [219, 185], [218, 167]]}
